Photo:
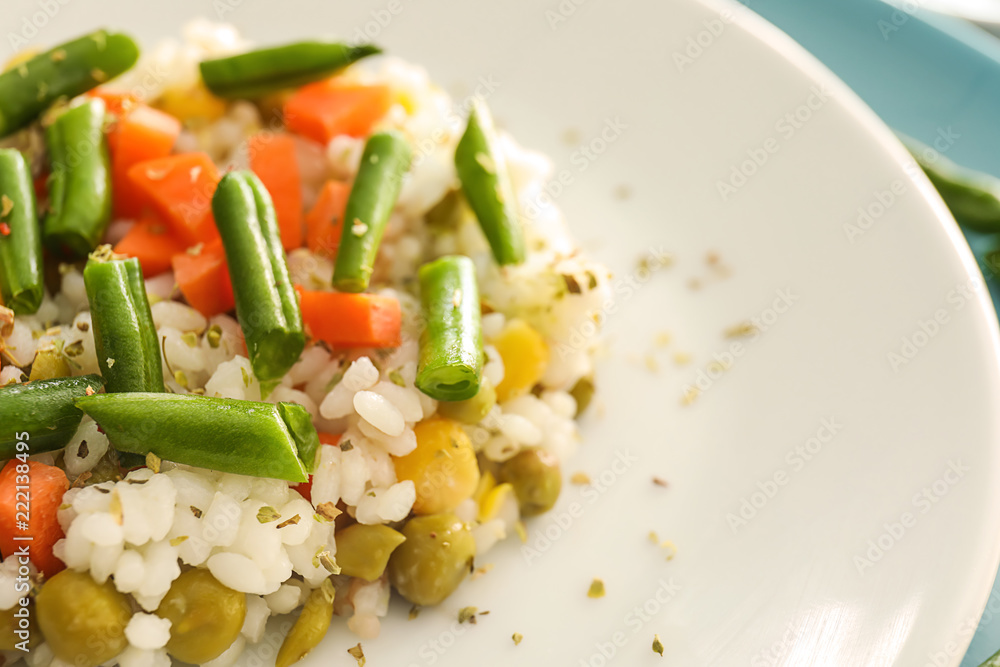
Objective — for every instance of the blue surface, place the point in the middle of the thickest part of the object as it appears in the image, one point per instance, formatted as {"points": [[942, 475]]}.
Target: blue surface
{"points": [[927, 76]]}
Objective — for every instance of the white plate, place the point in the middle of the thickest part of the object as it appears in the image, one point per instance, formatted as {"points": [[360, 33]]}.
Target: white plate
{"points": [[788, 587]]}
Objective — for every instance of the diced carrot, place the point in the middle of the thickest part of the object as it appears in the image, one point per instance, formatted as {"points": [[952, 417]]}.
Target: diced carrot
{"points": [[352, 320], [325, 220], [180, 189], [324, 109], [332, 439], [203, 278], [31, 511], [152, 244], [115, 102], [141, 133], [272, 158]]}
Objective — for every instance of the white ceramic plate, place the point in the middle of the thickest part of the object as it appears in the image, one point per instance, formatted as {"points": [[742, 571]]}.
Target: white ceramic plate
{"points": [[797, 477]]}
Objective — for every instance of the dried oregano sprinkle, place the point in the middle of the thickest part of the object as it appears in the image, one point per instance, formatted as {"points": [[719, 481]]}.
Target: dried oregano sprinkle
{"points": [[267, 514], [358, 654]]}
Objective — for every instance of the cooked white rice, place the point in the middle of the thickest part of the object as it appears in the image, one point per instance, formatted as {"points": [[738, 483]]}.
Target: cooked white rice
{"points": [[141, 531]]}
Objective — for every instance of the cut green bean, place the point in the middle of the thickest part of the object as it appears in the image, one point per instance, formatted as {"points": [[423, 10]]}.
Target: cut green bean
{"points": [[21, 280], [224, 434], [258, 73], [63, 72], [485, 180], [973, 197], [42, 414], [376, 188], [451, 345], [128, 351], [300, 426], [80, 182], [266, 303]]}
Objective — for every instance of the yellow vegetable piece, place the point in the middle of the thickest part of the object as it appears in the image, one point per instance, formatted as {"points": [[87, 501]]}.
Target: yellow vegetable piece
{"points": [[494, 501], [486, 483], [525, 357], [443, 467], [49, 363], [406, 100], [21, 56], [194, 102]]}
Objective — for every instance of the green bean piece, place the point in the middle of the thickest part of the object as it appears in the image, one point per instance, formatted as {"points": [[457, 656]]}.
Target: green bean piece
{"points": [[263, 71], [80, 181], [300, 426], [485, 180], [266, 303], [21, 280], [310, 627], [451, 345], [374, 193], [65, 71], [128, 350], [228, 435], [42, 413], [973, 197]]}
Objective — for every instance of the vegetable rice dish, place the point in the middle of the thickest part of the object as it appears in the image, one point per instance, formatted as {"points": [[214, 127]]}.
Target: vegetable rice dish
{"points": [[284, 331]]}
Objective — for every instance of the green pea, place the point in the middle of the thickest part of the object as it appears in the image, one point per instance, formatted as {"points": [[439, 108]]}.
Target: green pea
{"points": [[471, 410], [82, 621], [311, 626], [363, 551], [206, 617], [536, 478], [434, 559]]}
